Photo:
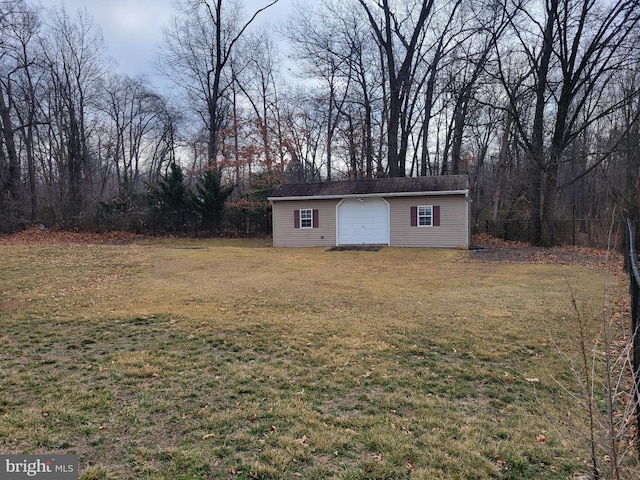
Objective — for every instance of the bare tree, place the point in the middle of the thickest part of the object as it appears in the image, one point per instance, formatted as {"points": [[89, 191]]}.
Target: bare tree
{"points": [[619, 140], [464, 77], [363, 105], [399, 65], [439, 51], [304, 126], [327, 55], [137, 118], [573, 49], [76, 62], [29, 86], [17, 26], [199, 44], [257, 82]]}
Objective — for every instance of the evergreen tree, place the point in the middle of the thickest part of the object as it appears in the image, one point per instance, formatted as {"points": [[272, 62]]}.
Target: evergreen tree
{"points": [[210, 199], [173, 199]]}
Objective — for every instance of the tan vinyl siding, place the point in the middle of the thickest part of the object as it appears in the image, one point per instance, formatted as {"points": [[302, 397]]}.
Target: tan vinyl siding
{"points": [[453, 231], [286, 235]]}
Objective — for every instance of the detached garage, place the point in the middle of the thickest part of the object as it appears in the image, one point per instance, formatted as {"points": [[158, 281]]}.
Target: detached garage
{"points": [[402, 212]]}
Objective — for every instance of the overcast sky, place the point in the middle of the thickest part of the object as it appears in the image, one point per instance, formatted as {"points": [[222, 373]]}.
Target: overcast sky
{"points": [[133, 28]]}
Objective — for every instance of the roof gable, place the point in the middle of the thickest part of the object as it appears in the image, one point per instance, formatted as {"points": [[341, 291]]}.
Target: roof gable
{"points": [[373, 187]]}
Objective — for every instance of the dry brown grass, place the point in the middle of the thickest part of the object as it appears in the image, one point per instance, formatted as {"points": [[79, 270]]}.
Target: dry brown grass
{"points": [[205, 359]]}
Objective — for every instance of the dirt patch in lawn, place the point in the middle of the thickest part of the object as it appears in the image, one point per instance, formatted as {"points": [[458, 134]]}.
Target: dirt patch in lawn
{"points": [[362, 248]]}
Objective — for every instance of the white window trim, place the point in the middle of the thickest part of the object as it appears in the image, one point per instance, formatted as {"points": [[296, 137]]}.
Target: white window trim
{"points": [[308, 211], [430, 216]]}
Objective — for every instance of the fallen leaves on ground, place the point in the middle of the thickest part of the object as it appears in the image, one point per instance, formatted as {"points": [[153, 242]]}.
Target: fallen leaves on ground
{"points": [[42, 235], [495, 249]]}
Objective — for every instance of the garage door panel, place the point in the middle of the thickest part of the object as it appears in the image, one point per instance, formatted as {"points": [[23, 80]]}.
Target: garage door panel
{"points": [[363, 222]]}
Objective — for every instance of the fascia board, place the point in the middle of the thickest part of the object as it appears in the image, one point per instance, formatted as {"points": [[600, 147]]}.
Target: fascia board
{"points": [[370, 195]]}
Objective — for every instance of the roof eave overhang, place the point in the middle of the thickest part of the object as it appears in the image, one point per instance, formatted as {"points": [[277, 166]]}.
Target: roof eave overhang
{"points": [[371, 195]]}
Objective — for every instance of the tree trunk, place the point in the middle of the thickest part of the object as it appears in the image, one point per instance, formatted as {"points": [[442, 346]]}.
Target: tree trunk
{"points": [[536, 148], [503, 155], [400, 79], [13, 164]]}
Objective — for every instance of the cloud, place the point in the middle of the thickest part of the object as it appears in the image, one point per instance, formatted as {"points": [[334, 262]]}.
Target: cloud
{"points": [[131, 28]]}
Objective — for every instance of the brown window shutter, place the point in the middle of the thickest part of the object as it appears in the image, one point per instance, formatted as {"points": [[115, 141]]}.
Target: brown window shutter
{"points": [[414, 216], [296, 219], [436, 215], [315, 218]]}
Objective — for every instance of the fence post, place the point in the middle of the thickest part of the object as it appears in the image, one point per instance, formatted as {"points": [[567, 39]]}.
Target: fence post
{"points": [[631, 265]]}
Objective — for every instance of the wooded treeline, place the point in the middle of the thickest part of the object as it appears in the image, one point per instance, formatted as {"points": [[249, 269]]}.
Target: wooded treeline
{"points": [[537, 100]]}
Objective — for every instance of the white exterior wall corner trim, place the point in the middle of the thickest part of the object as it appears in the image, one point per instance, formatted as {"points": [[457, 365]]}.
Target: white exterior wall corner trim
{"points": [[467, 223]]}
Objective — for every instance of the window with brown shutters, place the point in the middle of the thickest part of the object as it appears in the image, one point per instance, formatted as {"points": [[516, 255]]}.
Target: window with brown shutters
{"points": [[425, 216], [306, 218]]}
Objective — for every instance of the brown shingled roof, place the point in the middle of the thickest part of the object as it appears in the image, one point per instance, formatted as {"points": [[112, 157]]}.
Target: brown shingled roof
{"points": [[401, 185]]}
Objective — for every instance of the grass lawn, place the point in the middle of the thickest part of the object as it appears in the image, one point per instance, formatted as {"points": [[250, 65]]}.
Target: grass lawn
{"points": [[206, 359]]}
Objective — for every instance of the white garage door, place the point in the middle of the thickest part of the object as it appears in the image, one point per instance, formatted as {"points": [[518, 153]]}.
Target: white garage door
{"points": [[364, 221]]}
